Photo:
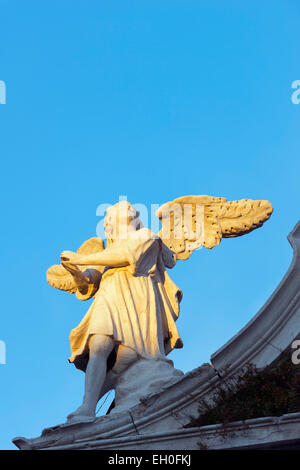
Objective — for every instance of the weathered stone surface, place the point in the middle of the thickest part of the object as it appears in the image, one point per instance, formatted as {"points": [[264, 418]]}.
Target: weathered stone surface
{"points": [[141, 379], [261, 433]]}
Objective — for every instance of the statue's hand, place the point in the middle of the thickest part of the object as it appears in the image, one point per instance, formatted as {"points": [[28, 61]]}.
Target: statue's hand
{"points": [[71, 257]]}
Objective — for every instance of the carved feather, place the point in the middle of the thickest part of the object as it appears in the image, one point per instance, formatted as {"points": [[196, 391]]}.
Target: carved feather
{"points": [[92, 245], [82, 280], [60, 278], [193, 221]]}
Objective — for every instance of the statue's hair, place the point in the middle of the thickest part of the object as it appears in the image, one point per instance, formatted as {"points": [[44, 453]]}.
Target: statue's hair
{"points": [[119, 214]]}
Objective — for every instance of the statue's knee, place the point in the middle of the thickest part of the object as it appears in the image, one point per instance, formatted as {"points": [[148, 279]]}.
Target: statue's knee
{"points": [[125, 357]]}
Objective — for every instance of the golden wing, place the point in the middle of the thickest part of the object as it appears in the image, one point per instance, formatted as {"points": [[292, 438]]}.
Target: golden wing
{"points": [[82, 280], [193, 221]]}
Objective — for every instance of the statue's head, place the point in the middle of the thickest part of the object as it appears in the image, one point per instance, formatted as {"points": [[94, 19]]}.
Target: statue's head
{"points": [[121, 219]]}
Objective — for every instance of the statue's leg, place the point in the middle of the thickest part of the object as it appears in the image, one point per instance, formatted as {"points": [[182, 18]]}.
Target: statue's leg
{"points": [[125, 358], [100, 346]]}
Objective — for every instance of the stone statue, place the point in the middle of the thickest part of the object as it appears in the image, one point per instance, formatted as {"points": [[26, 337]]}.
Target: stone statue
{"points": [[124, 339]]}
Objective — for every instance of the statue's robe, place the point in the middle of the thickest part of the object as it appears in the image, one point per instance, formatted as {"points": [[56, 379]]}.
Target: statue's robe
{"points": [[136, 305]]}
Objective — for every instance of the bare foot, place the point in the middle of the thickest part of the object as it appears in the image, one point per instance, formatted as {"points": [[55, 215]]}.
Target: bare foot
{"points": [[83, 413]]}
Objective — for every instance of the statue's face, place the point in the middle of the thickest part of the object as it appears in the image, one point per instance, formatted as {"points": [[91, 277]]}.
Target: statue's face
{"points": [[119, 220]]}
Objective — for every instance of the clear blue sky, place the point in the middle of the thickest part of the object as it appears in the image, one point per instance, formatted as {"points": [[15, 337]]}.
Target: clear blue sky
{"points": [[153, 100]]}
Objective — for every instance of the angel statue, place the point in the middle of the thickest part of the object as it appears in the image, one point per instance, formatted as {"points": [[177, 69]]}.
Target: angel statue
{"points": [[132, 318]]}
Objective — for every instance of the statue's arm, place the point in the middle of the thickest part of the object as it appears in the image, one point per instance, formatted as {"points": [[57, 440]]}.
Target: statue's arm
{"points": [[108, 257]]}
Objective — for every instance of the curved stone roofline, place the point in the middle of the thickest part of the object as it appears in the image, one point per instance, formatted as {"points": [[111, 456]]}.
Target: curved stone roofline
{"points": [[273, 328], [267, 432]]}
